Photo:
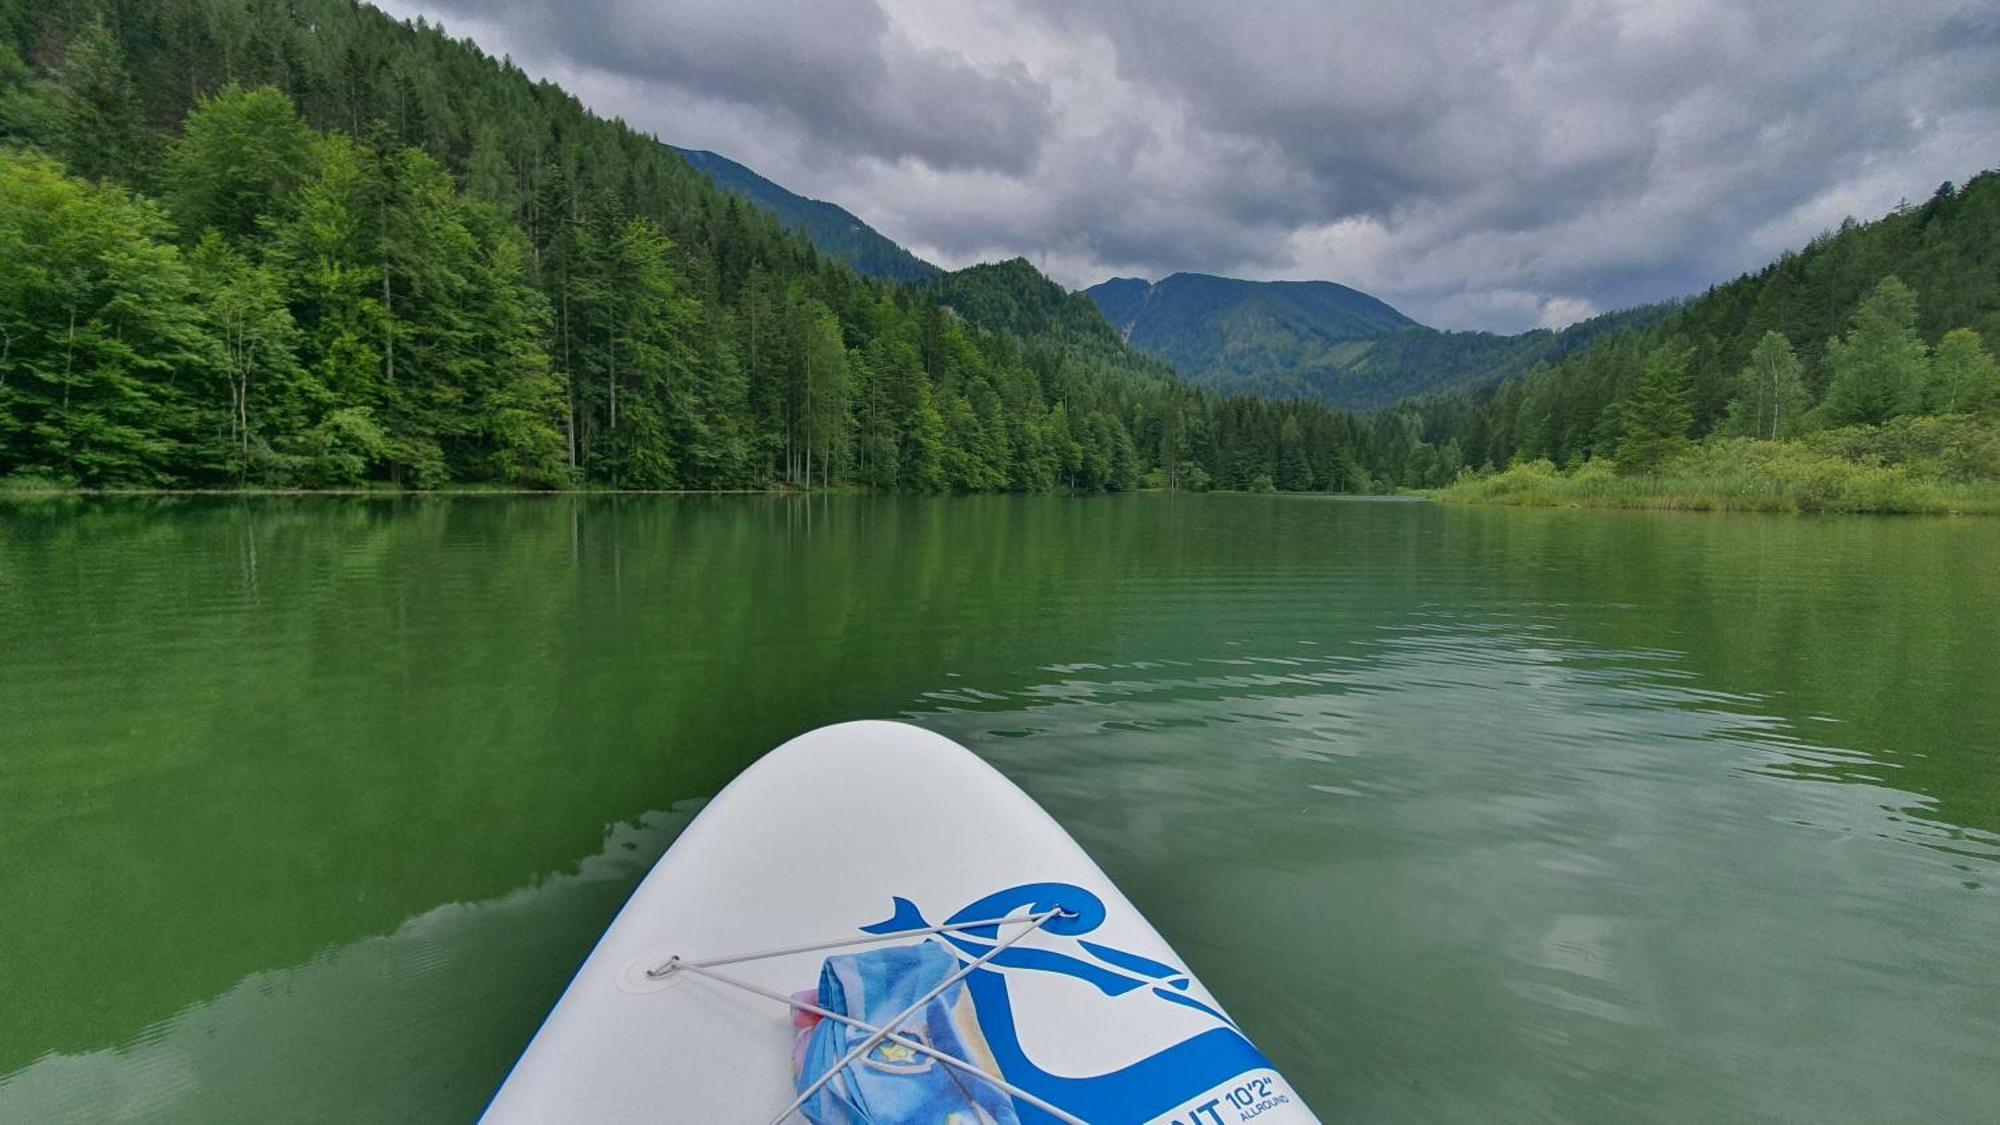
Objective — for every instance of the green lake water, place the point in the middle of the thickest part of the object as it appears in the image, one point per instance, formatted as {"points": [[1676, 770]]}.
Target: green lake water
{"points": [[308, 808]]}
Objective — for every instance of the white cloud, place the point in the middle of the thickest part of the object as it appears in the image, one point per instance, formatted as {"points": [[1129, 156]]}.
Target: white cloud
{"points": [[1561, 312]]}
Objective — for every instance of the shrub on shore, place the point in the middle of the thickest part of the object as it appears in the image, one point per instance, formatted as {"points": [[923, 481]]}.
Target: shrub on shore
{"points": [[1921, 465]]}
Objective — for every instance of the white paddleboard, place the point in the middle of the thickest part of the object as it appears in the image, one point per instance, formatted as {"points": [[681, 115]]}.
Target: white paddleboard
{"points": [[855, 832]]}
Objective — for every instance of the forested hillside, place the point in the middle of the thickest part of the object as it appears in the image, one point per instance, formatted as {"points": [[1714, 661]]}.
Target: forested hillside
{"points": [[831, 229], [1868, 323], [1853, 375], [1318, 340], [1202, 323], [1414, 362], [299, 243]]}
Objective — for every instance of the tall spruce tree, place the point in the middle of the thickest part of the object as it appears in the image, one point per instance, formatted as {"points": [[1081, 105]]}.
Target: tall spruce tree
{"points": [[1656, 413], [1881, 366], [98, 117], [27, 116]]}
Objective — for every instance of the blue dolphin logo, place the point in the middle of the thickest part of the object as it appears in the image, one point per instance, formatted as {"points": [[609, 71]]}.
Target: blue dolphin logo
{"points": [[1138, 1092]]}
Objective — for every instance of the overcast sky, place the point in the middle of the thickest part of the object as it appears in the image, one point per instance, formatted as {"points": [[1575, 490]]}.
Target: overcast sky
{"points": [[1476, 164]]}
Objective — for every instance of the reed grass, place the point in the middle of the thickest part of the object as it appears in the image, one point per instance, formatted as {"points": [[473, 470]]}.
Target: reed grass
{"points": [[1919, 466]]}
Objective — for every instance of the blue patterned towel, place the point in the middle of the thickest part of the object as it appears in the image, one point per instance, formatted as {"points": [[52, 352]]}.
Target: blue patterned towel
{"points": [[893, 1083]]}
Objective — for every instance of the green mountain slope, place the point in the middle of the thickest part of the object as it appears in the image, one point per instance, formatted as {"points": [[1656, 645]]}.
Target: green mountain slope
{"points": [[1875, 324], [1014, 297], [1320, 340], [299, 243], [1374, 374], [1220, 325], [832, 229]]}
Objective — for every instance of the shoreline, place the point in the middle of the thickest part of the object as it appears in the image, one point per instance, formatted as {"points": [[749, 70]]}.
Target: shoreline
{"points": [[386, 493], [7, 494], [1901, 496], [1696, 504], [1519, 487]]}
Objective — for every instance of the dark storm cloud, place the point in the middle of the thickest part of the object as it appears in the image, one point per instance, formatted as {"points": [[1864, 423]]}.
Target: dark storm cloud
{"points": [[837, 70], [1474, 122], [1478, 164]]}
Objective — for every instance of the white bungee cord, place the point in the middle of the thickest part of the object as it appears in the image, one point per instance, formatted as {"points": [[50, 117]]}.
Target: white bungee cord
{"points": [[889, 1031]]}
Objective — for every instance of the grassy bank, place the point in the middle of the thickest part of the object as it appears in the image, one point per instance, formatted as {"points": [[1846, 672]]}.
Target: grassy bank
{"points": [[1920, 466]]}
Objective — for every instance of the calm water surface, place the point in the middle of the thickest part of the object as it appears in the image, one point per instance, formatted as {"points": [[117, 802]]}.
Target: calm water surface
{"points": [[308, 809]]}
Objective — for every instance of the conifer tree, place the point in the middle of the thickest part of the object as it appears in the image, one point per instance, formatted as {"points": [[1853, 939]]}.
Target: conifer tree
{"points": [[1881, 366], [1656, 413], [920, 445], [331, 282], [823, 360], [1294, 468], [98, 112], [517, 400], [26, 114]]}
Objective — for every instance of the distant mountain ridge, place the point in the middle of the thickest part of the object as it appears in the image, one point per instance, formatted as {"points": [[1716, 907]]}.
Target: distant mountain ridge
{"points": [[832, 229], [1322, 340], [1013, 296], [1315, 340], [1206, 317]]}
